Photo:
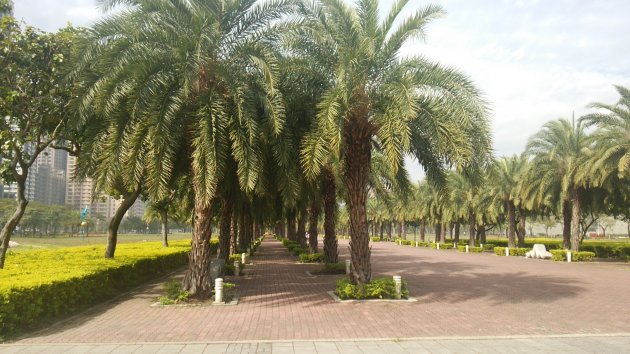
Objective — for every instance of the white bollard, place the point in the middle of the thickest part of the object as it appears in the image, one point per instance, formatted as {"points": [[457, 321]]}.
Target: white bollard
{"points": [[398, 285], [507, 251], [218, 290], [348, 266], [481, 245], [466, 248], [568, 256], [237, 269], [454, 245], [244, 258], [438, 246], [416, 243]]}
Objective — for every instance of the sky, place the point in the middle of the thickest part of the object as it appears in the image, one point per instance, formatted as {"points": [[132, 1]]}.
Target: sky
{"points": [[535, 60]]}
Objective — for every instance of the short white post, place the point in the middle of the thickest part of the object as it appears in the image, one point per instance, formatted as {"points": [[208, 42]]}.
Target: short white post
{"points": [[218, 290], [481, 245], [348, 266], [438, 245], [244, 258], [398, 285], [507, 251], [416, 243], [237, 269], [568, 256], [454, 245], [466, 248]]}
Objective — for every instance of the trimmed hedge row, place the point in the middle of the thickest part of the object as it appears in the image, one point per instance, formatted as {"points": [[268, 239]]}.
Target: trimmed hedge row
{"points": [[470, 249], [378, 288], [443, 246], [42, 285], [582, 256], [602, 249], [518, 252]]}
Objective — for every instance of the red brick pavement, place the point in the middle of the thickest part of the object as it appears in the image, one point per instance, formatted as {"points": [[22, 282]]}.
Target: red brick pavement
{"points": [[459, 295]]}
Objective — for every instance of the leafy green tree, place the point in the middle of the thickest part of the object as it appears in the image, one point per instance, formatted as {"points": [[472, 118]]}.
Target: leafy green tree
{"points": [[408, 105], [33, 100], [505, 177], [191, 80]]}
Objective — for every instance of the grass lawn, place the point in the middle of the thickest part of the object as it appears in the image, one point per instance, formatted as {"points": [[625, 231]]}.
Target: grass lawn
{"points": [[34, 243]]}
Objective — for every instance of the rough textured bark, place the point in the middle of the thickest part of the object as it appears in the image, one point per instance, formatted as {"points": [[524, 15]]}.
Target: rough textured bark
{"points": [[423, 229], [241, 232], [312, 226], [234, 234], [511, 209], [291, 231], [301, 228], [471, 228], [456, 238], [164, 220], [400, 229], [358, 139], [329, 190], [576, 215], [382, 229], [11, 224], [112, 229], [198, 274], [438, 233], [566, 225], [225, 226]]}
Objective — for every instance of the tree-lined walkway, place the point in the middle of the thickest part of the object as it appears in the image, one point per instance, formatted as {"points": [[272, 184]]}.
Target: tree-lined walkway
{"points": [[458, 295]]}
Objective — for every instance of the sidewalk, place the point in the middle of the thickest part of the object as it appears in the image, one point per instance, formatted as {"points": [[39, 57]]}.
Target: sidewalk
{"points": [[459, 295]]}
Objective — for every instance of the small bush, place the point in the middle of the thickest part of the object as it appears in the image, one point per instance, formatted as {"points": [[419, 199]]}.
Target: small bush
{"points": [[470, 249], [516, 252], [297, 251], [331, 268], [311, 258], [488, 246], [378, 288], [228, 269], [443, 246], [174, 294], [404, 242], [376, 239], [583, 256]]}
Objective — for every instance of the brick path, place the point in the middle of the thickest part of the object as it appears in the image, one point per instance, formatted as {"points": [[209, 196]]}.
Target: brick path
{"points": [[459, 295]]}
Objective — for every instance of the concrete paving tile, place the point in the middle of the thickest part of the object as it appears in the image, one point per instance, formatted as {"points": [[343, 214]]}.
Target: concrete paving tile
{"points": [[215, 348], [106, 349], [193, 348]]}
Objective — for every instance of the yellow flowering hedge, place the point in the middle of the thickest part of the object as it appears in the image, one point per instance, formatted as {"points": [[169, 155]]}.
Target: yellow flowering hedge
{"points": [[40, 285]]}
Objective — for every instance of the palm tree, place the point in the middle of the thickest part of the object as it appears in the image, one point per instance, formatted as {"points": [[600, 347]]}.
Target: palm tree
{"points": [[559, 171], [405, 105], [195, 79], [505, 176], [612, 147]]}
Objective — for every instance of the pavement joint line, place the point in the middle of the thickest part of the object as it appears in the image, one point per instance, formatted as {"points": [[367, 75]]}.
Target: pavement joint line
{"points": [[345, 340]]}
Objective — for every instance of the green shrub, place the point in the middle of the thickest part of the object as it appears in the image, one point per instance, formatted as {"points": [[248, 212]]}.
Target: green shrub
{"points": [[445, 246], [228, 269], [331, 268], [378, 288], [297, 251], [582, 256], [470, 249], [174, 294], [376, 239], [214, 246], [403, 242], [516, 252], [42, 285], [311, 258], [488, 246]]}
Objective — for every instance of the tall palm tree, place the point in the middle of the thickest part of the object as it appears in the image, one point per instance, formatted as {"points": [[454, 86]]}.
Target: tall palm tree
{"points": [[405, 105], [505, 176], [560, 152], [195, 78]]}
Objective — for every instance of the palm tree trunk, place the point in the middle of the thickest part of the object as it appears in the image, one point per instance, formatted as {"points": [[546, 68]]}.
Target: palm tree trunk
{"points": [[511, 209], [225, 224], [112, 230], [301, 228], [312, 226], [399, 231], [358, 139], [11, 224], [521, 229], [196, 279], [576, 215], [423, 229], [404, 229], [456, 238], [382, 229], [438, 233], [566, 225], [164, 220], [471, 228], [331, 254], [234, 233], [291, 231], [389, 230]]}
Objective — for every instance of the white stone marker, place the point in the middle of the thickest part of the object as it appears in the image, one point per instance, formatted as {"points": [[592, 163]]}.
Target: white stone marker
{"points": [[348, 266], [398, 285], [438, 246], [481, 245], [568, 256], [466, 248], [454, 245], [218, 290], [507, 251], [416, 243], [237, 269]]}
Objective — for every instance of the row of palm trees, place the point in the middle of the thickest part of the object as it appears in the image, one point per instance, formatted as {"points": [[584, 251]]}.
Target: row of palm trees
{"points": [[260, 113], [572, 171]]}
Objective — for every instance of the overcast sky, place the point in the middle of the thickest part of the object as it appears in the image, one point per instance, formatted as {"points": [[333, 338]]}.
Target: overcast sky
{"points": [[534, 60]]}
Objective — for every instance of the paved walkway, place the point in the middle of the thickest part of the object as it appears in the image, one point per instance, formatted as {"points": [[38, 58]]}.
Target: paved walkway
{"points": [[459, 295]]}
